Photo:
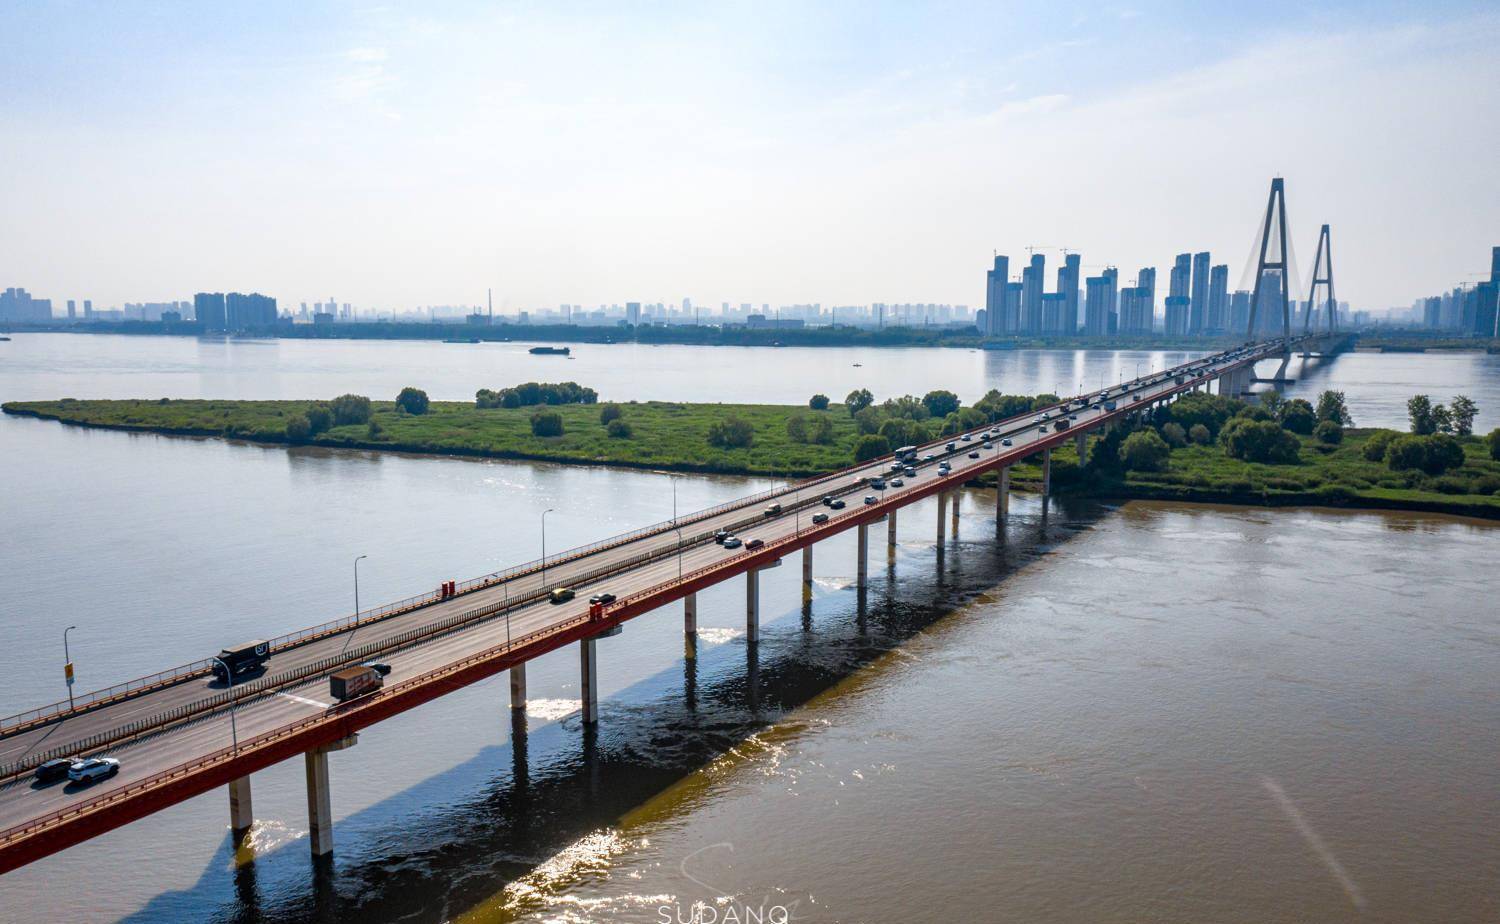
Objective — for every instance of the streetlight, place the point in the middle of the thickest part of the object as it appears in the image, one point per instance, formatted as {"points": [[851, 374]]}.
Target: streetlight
{"points": [[68, 666], [544, 547], [234, 732], [355, 626], [676, 528]]}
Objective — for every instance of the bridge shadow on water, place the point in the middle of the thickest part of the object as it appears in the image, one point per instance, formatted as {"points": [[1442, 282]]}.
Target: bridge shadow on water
{"points": [[526, 799]]}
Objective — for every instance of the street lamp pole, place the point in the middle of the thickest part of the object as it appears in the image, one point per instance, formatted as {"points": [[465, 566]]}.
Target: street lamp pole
{"points": [[234, 732], [68, 665], [544, 547], [354, 627], [676, 528]]}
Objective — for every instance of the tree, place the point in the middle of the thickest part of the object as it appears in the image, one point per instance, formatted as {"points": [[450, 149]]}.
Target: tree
{"points": [[298, 430], [870, 446], [1198, 408], [1144, 451], [868, 420], [1173, 433], [1272, 401], [1253, 412], [619, 429], [1331, 407], [319, 418], [1329, 432], [1376, 444], [901, 431], [546, 423], [996, 406], [1044, 400], [350, 409], [820, 430], [1442, 419], [1259, 441], [1493, 439], [1419, 412], [1406, 452], [412, 400], [818, 402], [731, 433], [858, 400], [940, 403], [1463, 410], [1298, 416], [608, 413], [908, 406], [1200, 435], [1443, 452], [796, 428]]}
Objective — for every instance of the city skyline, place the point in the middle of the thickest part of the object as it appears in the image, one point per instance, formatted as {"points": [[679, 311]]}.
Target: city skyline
{"points": [[774, 155]]}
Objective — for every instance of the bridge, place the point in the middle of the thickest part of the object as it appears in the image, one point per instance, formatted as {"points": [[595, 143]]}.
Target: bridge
{"points": [[184, 731]]}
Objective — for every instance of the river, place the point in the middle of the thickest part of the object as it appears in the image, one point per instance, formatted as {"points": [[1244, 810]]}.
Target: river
{"points": [[1143, 712]]}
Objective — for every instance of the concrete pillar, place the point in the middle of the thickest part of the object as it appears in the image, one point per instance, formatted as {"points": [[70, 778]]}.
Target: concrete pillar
{"points": [[863, 572], [319, 804], [690, 624], [890, 535], [1002, 496], [807, 566], [1047, 473], [588, 684], [241, 815], [953, 507], [1081, 442], [752, 606], [942, 534], [518, 686]]}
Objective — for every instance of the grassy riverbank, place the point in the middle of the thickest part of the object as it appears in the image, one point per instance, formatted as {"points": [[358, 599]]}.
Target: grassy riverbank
{"points": [[676, 436]]}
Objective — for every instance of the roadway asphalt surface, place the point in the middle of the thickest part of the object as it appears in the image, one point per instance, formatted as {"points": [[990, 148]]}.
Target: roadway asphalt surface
{"points": [[23, 800]]}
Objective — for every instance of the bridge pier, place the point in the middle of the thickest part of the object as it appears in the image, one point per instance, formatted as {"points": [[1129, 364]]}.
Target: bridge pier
{"points": [[319, 802], [752, 606], [588, 685], [862, 572], [241, 815], [1002, 496], [942, 526], [953, 505], [690, 624], [1081, 442], [807, 574], [1046, 473], [518, 686], [890, 537]]}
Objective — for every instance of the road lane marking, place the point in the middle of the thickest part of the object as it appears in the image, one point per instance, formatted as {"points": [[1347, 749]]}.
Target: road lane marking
{"points": [[305, 701]]}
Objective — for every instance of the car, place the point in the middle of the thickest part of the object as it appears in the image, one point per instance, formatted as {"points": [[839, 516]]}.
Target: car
{"points": [[1037, 419], [1042, 428], [733, 542], [561, 595], [929, 458], [93, 769], [1006, 442], [944, 469], [837, 504], [896, 467], [722, 534], [754, 544], [772, 510], [897, 483], [1135, 397], [871, 499], [602, 598], [878, 484], [966, 437], [974, 454], [828, 500], [51, 771], [1072, 416], [820, 518], [951, 446], [987, 445], [379, 667], [910, 471]]}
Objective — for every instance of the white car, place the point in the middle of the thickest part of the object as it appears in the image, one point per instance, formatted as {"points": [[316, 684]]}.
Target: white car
{"points": [[93, 769]]}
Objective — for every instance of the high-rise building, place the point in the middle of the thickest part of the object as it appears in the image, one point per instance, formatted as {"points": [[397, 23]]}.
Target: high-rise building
{"points": [[1177, 315], [633, 312], [996, 279], [208, 309], [1054, 304], [1135, 310], [1495, 264], [1198, 310], [242, 312], [1067, 286], [1239, 311], [1113, 275], [72, 309], [18, 305], [1097, 304], [88, 309], [1432, 312], [1031, 294], [1218, 298], [1179, 280], [1268, 320], [1484, 297]]}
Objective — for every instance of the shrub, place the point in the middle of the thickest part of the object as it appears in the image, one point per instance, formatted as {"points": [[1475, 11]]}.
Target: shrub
{"points": [[899, 431], [858, 400], [940, 403], [298, 430], [867, 420], [820, 430], [1200, 435], [412, 400], [1405, 453], [818, 402], [1329, 432], [1493, 440], [1144, 451], [1487, 484], [1044, 400], [1443, 452], [531, 394], [1331, 407], [1198, 408], [1297, 416], [546, 423], [1254, 412], [374, 431], [1450, 485], [1259, 441], [608, 413], [619, 429], [796, 428], [1173, 433], [731, 433], [907, 406], [870, 446], [1375, 446], [350, 409], [319, 418]]}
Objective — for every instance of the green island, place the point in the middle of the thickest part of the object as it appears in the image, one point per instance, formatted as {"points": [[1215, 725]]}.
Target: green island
{"points": [[1199, 448]]}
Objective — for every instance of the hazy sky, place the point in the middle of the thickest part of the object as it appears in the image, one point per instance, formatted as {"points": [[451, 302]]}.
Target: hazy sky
{"points": [[400, 155]]}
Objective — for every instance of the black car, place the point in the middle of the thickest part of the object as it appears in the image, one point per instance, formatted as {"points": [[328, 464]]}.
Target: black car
{"points": [[379, 667], [974, 454], [820, 518], [837, 504], [53, 770], [754, 543], [602, 598], [721, 535], [828, 500]]}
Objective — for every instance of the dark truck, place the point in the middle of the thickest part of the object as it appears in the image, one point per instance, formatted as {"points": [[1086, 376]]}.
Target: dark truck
{"points": [[244, 659], [354, 681]]}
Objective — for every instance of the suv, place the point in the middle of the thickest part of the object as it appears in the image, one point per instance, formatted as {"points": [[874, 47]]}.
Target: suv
{"points": [[93, 769], [721, 534], [53, 770], [561, 595], [772, 509]]}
